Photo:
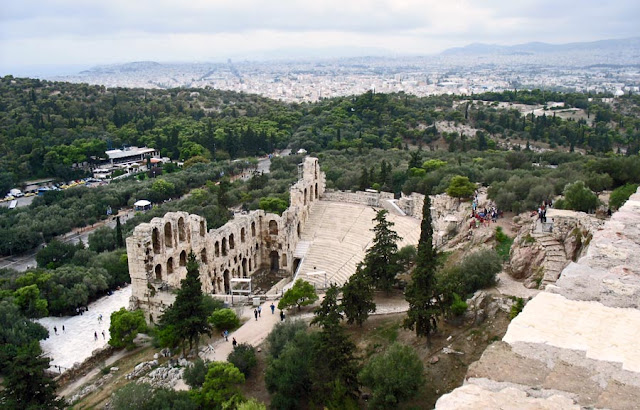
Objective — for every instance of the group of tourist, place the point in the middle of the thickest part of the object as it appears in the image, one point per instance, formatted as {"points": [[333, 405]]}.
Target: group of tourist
{"points": [[542, 210], [483, 216]]}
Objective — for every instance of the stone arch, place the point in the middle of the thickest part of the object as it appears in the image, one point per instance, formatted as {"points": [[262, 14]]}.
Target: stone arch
{"points": [[203, 256], [224, 246], [181, 230], [316, 190], [253, 229], [232, 242], [242, 235], [155, 239], [169, 266], [315, 170], [273, 227], [299, 230], [168, 235], [244, 267], [311, 193], [227, 286], [158, 272], [203, 230], [275, 260], [216, 249], [183, 258], [305, 196], [284, 260], [249, 263]]}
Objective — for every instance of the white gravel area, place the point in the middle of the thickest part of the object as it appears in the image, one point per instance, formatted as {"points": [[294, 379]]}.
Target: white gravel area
{"points": [[77, 341]]}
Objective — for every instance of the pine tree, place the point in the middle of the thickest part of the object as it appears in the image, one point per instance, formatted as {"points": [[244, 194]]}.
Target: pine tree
{"points": [[381, 261], [186, 318], [119, 238], [357, 298], [25, 385], [421, 293]]}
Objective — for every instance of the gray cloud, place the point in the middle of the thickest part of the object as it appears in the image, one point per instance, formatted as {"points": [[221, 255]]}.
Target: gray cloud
{"points": [[76, 31]]}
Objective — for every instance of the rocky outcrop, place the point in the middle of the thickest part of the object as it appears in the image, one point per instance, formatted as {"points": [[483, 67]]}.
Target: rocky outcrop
{"points": [[574, 345]]}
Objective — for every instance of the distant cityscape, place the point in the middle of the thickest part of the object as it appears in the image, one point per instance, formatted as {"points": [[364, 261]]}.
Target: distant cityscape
{"points": [[612, 66]]}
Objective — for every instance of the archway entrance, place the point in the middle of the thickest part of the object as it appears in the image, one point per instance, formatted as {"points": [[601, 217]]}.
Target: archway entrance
{"points": [[296, 264], [275, 261], [244, 268], [227, 288]]}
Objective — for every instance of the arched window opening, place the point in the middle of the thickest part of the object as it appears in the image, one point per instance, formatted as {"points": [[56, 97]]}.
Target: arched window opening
{"points": [[183, 258], [168, 235], [232, 242], [253, 229], [305, 196], [155, 238], [311, 193], [181, 230], [242, 236], [299, 230], [158, 272], [316, 191], [203, 256], [284, 260], [203, 229], [169, 266], [244, 268], [216, 249], [224, 246], [273, 227]]}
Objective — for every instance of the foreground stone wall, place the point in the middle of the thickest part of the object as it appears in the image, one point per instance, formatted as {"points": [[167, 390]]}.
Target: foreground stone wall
{"points": [[575, 345], [158, 250]]}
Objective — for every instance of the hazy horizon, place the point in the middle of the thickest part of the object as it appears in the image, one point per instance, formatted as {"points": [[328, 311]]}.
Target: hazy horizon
{"points": [[75, 33]]}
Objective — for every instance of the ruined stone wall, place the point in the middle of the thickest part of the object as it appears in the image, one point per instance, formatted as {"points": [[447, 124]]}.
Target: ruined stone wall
{"points": [[158, 250], [359, 197], [447, 213]]}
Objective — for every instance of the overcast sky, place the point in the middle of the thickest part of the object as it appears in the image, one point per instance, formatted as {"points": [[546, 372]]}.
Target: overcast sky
{"points": [[89, 32]]}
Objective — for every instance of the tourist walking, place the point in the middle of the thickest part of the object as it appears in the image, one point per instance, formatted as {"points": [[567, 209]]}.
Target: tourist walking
{"points": [[273, 308], [234, 342], [62, 328], [226, 335], [282, 315], [255, 313], [103, 336], [259, 311], [55, 330], [95, 335]]}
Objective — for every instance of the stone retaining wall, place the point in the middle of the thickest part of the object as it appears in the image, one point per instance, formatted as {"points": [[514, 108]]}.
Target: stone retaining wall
{"points": [[359, 197]]}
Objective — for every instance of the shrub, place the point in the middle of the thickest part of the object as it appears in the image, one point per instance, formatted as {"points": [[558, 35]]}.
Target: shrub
{"points": [[244, 358], [580, 198], [459, 306], [620, 195], [281, 334], [224, 319], [516, 308], [503, 246], [194, 375], [393, 376]]}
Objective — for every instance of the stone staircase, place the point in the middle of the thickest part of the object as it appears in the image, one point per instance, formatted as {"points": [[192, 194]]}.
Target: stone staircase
{"points": [[555, 259], [301, 249], [391, 206]]}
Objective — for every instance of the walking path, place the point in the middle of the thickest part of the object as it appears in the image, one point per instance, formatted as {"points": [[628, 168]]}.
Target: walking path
{"points": [[77, 341]]}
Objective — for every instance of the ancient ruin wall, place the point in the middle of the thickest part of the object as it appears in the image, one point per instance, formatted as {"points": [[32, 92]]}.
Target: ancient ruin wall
{"points": [[158, 250], [359, 197]]}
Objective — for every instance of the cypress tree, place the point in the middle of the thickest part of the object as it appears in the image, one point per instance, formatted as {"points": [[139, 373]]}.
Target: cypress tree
{"points": [[381, 260], [119, 238], [186, 318], [421, 293]]}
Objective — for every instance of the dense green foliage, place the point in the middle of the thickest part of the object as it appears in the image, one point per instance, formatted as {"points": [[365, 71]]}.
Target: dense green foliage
{"points": [[380, 265], [125, 326], [476, 271], [142, 396], [393, 376], [302, 293], [224, 319], [194, 375], [422, 293], [186, 319], [620, 195], [220, 389], [243, 356], [357, 298]]}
